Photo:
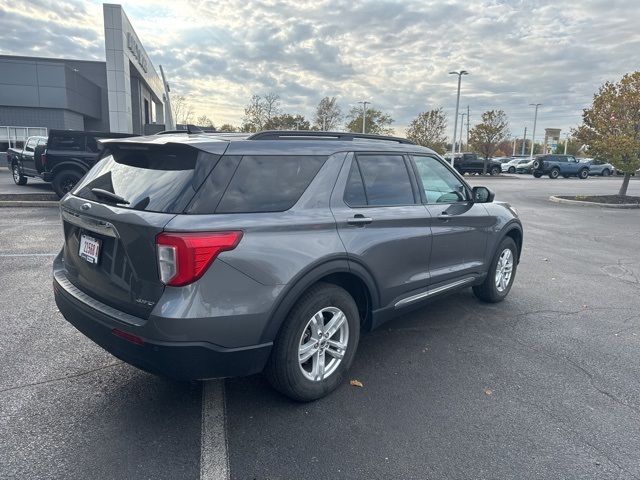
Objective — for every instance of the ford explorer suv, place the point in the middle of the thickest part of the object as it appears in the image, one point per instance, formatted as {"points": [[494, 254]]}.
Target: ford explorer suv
{"points": [[203, 256], [556, 165]]}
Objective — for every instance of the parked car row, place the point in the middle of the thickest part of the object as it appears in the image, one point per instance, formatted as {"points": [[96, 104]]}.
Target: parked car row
{"points": [[62, 158]]}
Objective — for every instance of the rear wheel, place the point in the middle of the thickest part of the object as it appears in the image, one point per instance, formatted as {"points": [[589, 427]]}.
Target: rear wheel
{"points": [[501, 273], [316, 344], [583, 174], [64, 181], [18, 178], [494, 171], [537, 174], [606, 172], [512, 170], [554, 173]]}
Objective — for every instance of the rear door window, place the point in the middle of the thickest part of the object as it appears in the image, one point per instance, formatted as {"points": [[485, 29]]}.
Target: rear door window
{"points": [[69, 142], [269, 183], [156, 179], [386, 179]]}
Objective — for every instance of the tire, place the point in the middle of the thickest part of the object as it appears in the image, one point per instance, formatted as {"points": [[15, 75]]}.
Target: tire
{"points": [[537, 174], [512, 170], [494, 171], [606, 172], [554, 173], [284, 371], [537, 164], [583, 174], [64, 181], [18, 178], [488, 291]]}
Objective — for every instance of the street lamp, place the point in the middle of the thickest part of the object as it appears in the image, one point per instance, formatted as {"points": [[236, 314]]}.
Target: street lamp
{"points": [[455, 123], [535, 119], [461, 129], [364, 115]]}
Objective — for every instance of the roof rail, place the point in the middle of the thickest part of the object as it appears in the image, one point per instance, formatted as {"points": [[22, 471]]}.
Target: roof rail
{"points": [[312, 134]]}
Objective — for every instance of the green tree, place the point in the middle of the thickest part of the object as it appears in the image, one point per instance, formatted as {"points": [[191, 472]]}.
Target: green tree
{"points": [[574, 147], [377, 122], [428, 130], [328, 115], [287, 121], [611, 126], [486, 135]]}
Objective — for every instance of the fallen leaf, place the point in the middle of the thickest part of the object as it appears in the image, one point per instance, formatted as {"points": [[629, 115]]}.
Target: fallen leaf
{"points": [[356, 383], [545, 259], [488, 391]]}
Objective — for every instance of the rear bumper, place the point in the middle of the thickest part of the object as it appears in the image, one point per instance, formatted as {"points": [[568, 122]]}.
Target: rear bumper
{"points": [[177, 360]]}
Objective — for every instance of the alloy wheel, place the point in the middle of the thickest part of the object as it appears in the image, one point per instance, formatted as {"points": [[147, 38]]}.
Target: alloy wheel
{"points": [[504, 269], [323, 344]]}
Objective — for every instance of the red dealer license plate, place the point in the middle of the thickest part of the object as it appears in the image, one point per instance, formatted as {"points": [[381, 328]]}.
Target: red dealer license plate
{"points": [[89, 248]]}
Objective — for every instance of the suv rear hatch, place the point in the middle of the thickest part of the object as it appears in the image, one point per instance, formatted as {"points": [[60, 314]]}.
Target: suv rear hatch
{"points": [[112, 217]]}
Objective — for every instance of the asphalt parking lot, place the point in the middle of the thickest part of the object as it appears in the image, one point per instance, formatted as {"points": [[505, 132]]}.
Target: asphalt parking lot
{"points": [[543, 385]]}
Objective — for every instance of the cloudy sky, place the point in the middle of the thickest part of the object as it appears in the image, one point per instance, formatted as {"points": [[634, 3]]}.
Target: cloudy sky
{"points": [[395, 54]]}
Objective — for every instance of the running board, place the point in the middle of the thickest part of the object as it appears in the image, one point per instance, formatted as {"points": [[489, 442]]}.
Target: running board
{"points": [[435, 291]]}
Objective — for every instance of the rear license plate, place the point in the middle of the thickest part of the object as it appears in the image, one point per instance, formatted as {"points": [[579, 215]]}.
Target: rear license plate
{"points": [[89, 248]]}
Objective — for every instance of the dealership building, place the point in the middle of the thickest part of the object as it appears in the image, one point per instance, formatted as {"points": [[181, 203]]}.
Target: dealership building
{"points": [[124, 93]]}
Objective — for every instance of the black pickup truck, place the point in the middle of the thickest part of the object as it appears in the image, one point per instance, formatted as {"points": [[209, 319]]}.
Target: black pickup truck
{"points": [[472, 163], [62, 159]]}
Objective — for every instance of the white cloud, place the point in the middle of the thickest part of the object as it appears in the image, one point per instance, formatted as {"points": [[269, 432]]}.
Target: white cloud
{"points": [[395, 54]]}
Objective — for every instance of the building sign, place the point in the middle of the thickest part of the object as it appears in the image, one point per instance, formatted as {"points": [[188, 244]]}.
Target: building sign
{"points": [[137, 52]]}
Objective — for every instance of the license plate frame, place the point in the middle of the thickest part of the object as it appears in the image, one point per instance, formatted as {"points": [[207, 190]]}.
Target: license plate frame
{"points": [[89, 248]]}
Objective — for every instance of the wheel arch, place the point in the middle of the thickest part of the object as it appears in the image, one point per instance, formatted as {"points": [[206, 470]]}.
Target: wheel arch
{"points": [[354, 278], [514, 231]]}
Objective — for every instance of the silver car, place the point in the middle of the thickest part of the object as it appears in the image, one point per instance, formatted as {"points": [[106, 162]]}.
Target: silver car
{"points": [[599, 167]]}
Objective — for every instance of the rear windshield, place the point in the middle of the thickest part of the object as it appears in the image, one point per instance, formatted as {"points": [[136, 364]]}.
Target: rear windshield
{"points": [[151, 179]]}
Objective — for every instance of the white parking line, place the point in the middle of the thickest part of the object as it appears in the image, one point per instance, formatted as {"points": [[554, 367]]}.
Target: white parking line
{"points": [[28, 254], [214, 458]]}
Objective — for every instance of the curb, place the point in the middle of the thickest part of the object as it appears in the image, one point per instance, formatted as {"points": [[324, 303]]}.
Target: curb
{"points": [[555, 199], [29, 203]]}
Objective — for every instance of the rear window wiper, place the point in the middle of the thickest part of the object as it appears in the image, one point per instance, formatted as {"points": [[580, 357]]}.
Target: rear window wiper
{"points": [[98, 192]]}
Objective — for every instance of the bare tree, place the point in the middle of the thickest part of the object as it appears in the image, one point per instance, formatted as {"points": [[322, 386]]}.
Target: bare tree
{"points": [[259, 111], [182, 109], [204, 121], [328, 114]]}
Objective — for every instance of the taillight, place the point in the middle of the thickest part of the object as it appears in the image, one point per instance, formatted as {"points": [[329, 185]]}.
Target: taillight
{"points": [[184, 257]]}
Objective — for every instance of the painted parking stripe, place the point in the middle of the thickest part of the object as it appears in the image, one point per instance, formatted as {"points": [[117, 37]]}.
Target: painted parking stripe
{"points": [[214, 458], [28, 254]]}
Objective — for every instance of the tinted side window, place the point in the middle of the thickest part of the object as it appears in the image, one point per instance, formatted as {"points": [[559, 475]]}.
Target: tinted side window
{"points": [[67, 142], [386, 180], [354, 195], [269, 183], [31, 144]]}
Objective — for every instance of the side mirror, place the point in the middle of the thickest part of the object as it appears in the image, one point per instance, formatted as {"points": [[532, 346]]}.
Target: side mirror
{"points": [[482, 195]]}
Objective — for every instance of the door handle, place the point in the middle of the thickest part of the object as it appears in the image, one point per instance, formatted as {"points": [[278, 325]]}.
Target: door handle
{"points": [[359, 220], [444, 216]]}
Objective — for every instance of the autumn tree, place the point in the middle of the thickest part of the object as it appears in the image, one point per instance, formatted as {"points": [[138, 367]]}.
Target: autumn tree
{"points": [[182, 109], [259, 111], [486, 135], [428, 130], [611, 126], [204, 121], [227, 127], [328, 114], [377, 122], [287, 121]]}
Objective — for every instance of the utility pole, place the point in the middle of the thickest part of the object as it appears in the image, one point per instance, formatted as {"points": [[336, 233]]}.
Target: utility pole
{"points": [[535, 120], [455, 123], [524, 141], [514, 147], [461, 130], [566, 142], [364, 115], [468, 126]]}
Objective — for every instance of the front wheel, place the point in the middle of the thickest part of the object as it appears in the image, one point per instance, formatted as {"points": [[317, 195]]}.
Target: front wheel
{"points": [[494, 171], [537, 174], [18, 178], [316, 344], [501, 273], [512, 170], [606, 173], [64, 181], [583, 174], [554, 173]]}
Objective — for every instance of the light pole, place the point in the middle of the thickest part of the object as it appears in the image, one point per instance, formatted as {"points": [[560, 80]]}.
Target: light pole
{"points": [[455, 123], [535, 120], [566, 142], [461, 130], [364, 115]]}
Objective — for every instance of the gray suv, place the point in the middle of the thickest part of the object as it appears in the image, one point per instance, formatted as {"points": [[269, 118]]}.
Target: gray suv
{"points": [[203, 256]]}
